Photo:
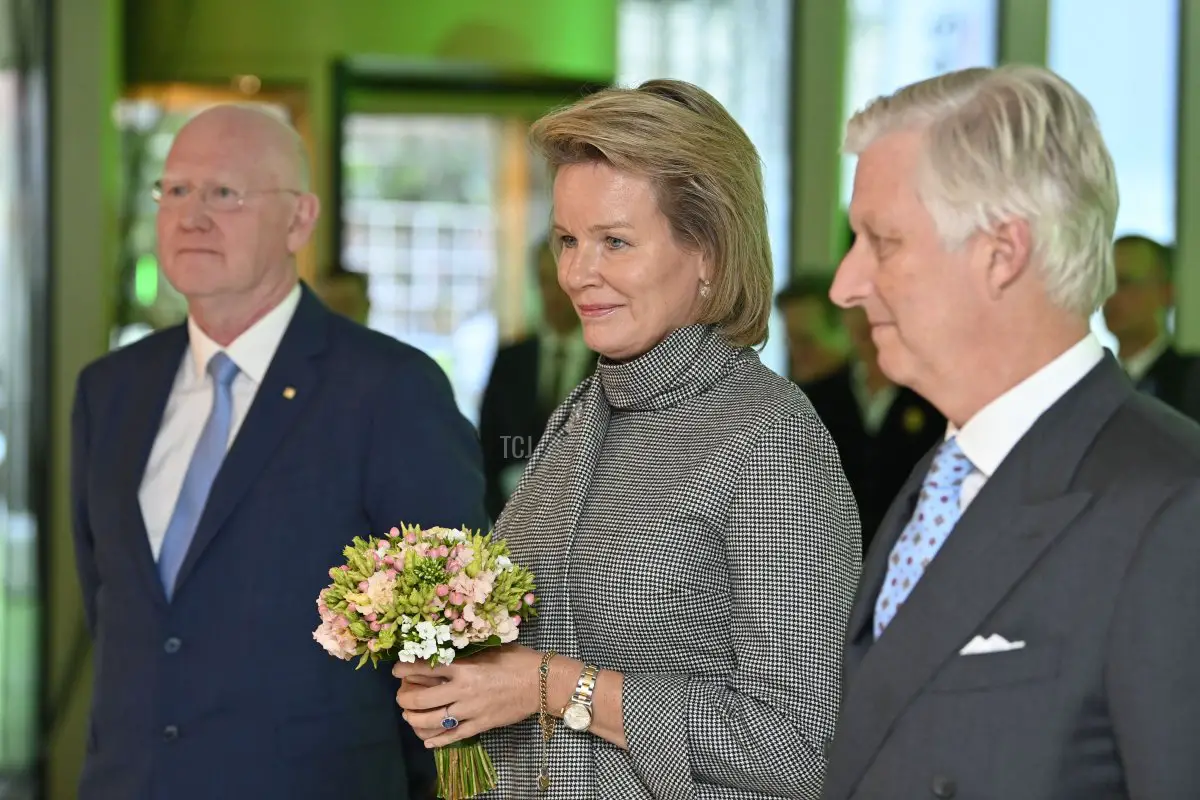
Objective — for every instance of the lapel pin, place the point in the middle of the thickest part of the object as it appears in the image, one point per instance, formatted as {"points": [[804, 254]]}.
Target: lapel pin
{"points": [[289, 393]]}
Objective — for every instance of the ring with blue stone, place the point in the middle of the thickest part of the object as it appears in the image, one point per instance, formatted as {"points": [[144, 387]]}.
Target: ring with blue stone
{"points": [[449, 721]]}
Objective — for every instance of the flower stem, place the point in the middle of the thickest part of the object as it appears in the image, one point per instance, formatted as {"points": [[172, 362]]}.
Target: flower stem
{"points": [[464, 770]]}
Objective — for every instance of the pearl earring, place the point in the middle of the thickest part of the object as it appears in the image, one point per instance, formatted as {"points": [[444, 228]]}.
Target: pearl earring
{"points": [[704, 290]]}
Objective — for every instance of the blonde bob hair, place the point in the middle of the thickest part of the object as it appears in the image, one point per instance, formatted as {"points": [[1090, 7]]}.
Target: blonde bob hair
{"points": [[707, 179]]}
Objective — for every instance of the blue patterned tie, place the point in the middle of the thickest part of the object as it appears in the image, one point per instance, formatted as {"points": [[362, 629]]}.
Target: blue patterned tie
{"points": [[932, 521], [201, 472]]}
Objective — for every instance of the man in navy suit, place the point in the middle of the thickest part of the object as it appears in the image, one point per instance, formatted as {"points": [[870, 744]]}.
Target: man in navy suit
{"points": [[219, 468]]}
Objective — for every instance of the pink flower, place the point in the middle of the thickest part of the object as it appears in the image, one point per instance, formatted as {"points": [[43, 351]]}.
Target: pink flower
{"points": [[375, 626], [460, 625], [453, 567], [484, 582], [362, 586], [530, 599], [443, 590], [344, 567], [451, 613], [443, 551], [389, 560], [516, 619], [373, 645], [410, 537], [339, 643], [380, 589], [457, 598], [371, 617], [391, 573], [393, 533]]}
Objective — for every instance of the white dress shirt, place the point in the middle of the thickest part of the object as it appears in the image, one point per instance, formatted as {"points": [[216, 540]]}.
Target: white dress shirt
{"points": [[191, 402], [990, 435]]}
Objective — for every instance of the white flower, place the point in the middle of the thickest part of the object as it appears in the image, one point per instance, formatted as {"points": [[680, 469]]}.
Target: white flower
{"points": [[443, 634], [445, 655], [406, 657], [405, 624], [460, 640], [504, 563], [426, 630]]}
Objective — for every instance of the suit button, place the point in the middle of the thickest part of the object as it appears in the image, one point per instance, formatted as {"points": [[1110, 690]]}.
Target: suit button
{"points": [[943, 787], [172, 645], [170, 733]]}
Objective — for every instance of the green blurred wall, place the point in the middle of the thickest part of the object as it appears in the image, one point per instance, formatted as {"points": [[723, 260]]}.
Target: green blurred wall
{"points": [[294, 42], [289, 39]]}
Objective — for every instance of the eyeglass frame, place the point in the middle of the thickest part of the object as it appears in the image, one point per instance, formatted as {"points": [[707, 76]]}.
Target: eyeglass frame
{"points": [[156, 192]]}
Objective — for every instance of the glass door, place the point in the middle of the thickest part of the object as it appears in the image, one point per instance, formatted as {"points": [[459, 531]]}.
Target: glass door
{"points": [[441, 203]]}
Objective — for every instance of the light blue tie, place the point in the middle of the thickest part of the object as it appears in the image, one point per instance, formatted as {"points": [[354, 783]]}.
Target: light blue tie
{"points": [[932, 521], [201, 472]]}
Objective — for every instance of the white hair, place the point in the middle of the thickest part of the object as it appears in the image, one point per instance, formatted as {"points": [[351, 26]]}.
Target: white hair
{"points": [[1015, 142]]}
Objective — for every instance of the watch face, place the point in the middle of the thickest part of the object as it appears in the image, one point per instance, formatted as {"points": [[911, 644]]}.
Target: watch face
{"points": [[577, 717]]}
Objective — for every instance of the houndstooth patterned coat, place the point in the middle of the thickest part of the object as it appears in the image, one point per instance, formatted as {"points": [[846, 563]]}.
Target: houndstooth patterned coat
{"points": [[689, 526]]}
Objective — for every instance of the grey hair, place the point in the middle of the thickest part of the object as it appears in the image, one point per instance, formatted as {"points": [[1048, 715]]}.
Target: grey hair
{"points": [[1015, 142]]}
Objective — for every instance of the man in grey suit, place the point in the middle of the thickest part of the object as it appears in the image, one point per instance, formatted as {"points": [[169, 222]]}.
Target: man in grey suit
{"points": [[1028, 623]]}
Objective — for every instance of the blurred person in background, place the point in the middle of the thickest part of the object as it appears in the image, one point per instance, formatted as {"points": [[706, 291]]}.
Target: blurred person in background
{"points": [[816, 340], [881, 430], [347, 293], [1136, 315], [695, 542], [219, 467], [529, 379]]}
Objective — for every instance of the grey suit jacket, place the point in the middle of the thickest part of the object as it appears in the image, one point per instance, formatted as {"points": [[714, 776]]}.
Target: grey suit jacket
{"points": [[1085, 545]]}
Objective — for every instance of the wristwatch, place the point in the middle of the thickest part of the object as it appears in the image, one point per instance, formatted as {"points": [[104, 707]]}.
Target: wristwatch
{"points": [[578, 714]]}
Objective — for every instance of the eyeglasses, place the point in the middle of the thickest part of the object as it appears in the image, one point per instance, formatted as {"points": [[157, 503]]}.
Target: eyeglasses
{"points": [[216, 197]]}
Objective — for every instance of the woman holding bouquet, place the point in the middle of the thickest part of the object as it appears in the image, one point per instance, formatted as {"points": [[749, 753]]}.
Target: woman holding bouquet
{"points": [[695, 543]]}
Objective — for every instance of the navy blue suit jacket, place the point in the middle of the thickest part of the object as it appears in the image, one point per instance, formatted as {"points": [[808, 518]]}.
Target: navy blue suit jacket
{"points": [[222, 692]]}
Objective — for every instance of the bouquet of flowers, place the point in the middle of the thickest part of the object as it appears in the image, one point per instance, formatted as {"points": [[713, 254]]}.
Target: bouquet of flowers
{"points": [[430, 595]]}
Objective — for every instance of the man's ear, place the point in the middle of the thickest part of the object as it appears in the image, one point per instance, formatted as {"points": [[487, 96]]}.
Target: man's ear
{"points": [[1011, 245], [304, 221]]}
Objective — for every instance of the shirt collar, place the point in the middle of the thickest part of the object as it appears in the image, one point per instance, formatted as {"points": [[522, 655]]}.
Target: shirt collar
{"points": [[1137, 365], [254, 349], [991, 434]]}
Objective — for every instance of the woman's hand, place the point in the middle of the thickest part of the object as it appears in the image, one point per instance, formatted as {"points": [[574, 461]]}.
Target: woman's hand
{"points": [[494, 688]]}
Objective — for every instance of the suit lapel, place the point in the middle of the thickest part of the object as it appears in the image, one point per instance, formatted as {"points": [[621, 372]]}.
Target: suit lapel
{"points": [[287, 387], [146, 402], [875, 567], [1023, 508]]}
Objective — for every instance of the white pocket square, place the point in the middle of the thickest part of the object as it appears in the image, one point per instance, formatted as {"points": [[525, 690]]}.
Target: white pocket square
{"points": [[991, 644]]}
